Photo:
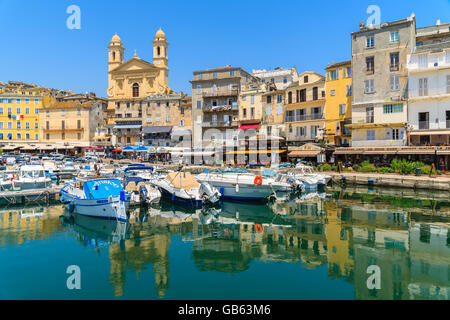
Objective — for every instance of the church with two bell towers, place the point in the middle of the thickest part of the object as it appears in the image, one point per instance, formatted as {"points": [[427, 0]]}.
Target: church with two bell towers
{"points": [[130, 82]]}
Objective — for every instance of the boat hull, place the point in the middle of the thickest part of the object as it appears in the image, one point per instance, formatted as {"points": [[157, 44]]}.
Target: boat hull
{"points": [[244, 191], [112, 208], [165, 194]]}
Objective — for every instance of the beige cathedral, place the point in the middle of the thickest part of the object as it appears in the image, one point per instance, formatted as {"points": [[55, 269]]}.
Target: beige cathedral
{"points": [[136, 79]]}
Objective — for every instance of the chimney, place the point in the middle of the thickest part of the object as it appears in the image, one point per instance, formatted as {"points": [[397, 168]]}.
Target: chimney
{"points": [[361, 25], [438, 22]]}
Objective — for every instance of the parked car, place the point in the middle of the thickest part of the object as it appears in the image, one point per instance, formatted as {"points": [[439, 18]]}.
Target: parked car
{"points": [[10, 161]]}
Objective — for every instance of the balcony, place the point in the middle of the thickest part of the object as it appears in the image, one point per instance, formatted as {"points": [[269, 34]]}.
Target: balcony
{"points": [[132, 118], [221, 93], [314, 116], [219, 124], [52, 129], [378, 143], [425, 125], [223, 108], [394, 67]]}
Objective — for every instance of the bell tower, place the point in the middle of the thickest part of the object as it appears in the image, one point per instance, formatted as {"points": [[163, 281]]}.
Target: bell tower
{"points": [[160, 57], [115, 55]]}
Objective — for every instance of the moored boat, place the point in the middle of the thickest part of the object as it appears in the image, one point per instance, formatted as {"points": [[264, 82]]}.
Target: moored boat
{"points": [[183, 188], [241, 184], [31, 177], [100, 198]]}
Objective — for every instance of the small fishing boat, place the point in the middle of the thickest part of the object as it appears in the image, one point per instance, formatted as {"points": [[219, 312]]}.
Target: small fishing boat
{"points": [[183, 188], [100, 198], [32, 177]]}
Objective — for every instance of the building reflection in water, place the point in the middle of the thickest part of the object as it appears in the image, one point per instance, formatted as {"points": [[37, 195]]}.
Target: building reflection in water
{"points": [[346, 232]]}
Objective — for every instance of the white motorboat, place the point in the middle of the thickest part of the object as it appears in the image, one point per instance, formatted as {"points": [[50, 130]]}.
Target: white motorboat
{"points": [[50, 166], [241, 184], [100, 198], [32, 177], [183, 188], [68, 169], [6, 181], [142, 191], [308, 172]]}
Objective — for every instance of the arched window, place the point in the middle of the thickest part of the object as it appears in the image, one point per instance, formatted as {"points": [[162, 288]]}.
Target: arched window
{"points": [[114, 56], [290, 97], [159, 51], [135, 90]]}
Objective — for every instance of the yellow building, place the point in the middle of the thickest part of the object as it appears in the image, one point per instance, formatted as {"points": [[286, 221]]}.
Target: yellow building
{"points": [[338, 107], [19, 114], [304, 109], [71, 123]]}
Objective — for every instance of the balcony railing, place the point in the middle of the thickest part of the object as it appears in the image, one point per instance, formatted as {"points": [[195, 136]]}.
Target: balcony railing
{"points": [[220, 93], [223, 108], [370, 119], [134, 118], [219, 124], [314, 116], [378, 143], [424, 125], [394, 67], [52, 129]]}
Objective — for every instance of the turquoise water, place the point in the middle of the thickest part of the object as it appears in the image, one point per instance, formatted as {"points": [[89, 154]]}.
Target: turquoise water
{"points": [[318, 248]]}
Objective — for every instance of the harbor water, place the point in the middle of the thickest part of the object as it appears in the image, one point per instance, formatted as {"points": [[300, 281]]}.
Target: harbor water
{"points": [[354, 243]]}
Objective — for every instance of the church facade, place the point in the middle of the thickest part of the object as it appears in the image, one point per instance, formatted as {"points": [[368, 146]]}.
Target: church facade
{"points": [[129, 83]]}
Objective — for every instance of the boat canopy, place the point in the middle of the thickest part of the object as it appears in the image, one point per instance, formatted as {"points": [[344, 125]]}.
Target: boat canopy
{"points": [[182, 180], [102, 188]]}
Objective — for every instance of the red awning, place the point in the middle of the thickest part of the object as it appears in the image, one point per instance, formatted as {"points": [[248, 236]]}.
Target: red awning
{"points": [[249, 126], [94, 148], [117, 150]]}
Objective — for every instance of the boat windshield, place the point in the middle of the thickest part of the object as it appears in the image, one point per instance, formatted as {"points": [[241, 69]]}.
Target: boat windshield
{"points": [[230, 170], [33, 174]]}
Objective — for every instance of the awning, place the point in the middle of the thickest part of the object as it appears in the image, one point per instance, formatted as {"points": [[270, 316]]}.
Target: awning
{"points": [[117, 150], [416, 151], [249, 126], [10, 147], [147, 130], [128, 149], [127, 126], [181, 132], [255, 151], [304, 153], [47, 147], [94, 148], [380, 152], [428, 133], [351, 151], [29, 147], [192, 154]]}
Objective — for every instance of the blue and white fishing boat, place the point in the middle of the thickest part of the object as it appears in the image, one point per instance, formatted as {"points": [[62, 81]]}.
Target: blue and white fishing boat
{"points": [[100, 198]]}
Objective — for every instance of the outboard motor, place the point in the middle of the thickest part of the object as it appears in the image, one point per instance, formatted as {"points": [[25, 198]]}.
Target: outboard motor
{"points": [[208, 193], [143, 194]]}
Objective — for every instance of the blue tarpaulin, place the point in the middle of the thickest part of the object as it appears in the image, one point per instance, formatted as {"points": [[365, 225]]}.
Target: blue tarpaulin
{"points": [[102, 188]]}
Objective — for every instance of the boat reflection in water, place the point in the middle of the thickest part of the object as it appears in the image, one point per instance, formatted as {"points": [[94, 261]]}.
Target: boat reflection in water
{"points": [[327, 242], [95, 232]]}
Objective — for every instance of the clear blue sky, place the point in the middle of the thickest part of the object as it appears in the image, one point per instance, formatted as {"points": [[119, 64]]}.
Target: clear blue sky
{"points": [[38, 47]]}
